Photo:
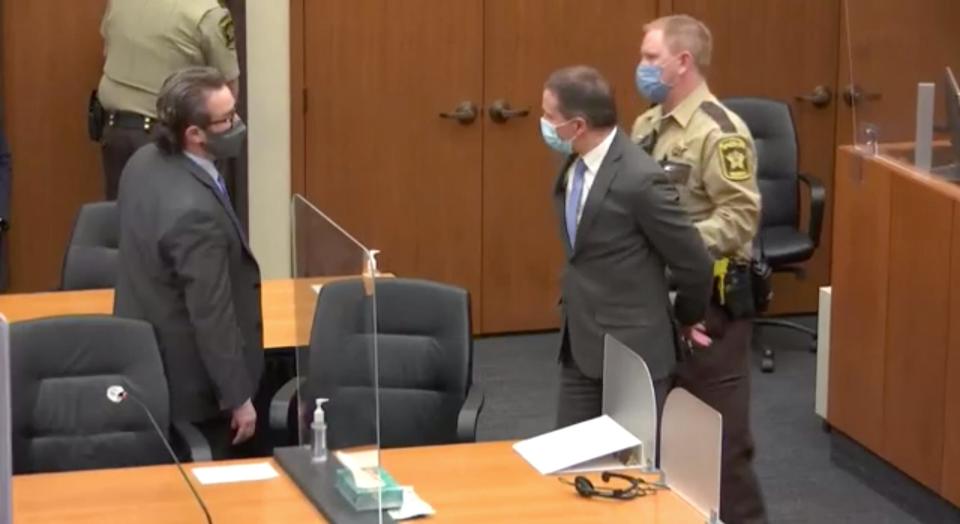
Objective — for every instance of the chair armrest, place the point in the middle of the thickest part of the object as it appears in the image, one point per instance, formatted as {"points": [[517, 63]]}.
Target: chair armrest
{"points": [[281, 402], [818, 198], [469, 413], [194, 440]]}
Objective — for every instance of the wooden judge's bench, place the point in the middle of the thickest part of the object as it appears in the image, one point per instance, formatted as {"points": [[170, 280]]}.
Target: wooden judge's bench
{"points": [[895, 314]]}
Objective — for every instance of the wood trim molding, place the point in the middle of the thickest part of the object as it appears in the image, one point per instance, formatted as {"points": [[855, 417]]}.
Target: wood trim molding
{"points": [[298, 87]]}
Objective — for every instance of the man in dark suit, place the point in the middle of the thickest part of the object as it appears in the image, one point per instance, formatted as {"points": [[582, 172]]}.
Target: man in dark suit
{"points": [[622, 227], [185, 265]]}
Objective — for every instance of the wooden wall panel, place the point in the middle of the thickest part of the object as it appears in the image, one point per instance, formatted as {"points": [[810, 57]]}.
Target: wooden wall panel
{"points": [[52, 59], [378, 158], [524, 41], [918, 301], [950, 487], [861, 244]]}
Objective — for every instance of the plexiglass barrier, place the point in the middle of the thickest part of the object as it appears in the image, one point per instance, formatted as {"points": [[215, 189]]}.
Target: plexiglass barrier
{"points": [[902, 101], [336, 325]]}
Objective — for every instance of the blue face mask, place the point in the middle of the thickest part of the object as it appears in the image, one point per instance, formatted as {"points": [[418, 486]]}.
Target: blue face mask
{"points": [[550, 136], [650, 83]]}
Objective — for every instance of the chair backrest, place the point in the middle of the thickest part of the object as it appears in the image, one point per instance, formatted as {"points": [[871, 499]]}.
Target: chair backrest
{"points": [[61, 368], [775, 138], [91, 259], [425, 358]]}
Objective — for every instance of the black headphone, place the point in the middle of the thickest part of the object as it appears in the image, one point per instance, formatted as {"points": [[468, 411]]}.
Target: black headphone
{"points": [[637, 488]]}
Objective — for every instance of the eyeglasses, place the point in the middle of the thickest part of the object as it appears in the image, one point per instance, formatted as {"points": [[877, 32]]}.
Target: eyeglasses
{"points": [[231, 118], [638, 487]]}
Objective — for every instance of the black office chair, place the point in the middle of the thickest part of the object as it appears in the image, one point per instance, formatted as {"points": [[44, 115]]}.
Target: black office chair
{"points": [[425, 364], [91, 259], [61, 368], [780, 240]]}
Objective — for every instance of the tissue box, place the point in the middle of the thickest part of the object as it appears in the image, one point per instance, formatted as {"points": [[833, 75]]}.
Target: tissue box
{"points": [[365, 499]]}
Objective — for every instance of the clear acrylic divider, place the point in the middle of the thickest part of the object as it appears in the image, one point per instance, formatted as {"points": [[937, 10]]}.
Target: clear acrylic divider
{"points": [[912, 117], [628, 398], [690, 441], [335, 312]]}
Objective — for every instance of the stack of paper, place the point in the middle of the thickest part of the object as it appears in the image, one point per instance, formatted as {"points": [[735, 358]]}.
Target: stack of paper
{"points": [[236, 473], [587, 446]]}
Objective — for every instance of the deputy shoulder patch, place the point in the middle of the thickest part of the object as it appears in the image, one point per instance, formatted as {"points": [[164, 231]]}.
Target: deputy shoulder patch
{"points": [[734, 158], [227, 31]]}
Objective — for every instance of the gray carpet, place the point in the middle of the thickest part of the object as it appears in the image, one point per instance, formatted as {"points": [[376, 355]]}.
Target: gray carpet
{"points": [[519, 376]]}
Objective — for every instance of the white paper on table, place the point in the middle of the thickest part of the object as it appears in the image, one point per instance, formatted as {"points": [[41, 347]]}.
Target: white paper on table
{"points": [[593, 441], [413, 506], [605, 463], [364, 465], [235, 473], [316, 288]]}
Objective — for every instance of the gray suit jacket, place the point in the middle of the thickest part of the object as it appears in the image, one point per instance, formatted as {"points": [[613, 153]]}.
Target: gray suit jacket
{"points": [[185, 267], [631, 229]]}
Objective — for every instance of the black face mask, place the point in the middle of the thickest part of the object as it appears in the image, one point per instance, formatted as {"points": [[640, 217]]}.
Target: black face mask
{"points": [[228, 143]]}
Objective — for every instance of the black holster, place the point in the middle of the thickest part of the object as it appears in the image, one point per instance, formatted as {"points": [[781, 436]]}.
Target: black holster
{"points": [[738, 300], [96, 117], [760, 273]]}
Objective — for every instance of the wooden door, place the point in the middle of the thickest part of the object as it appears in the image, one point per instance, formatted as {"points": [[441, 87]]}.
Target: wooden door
{"points": [[52, 59], [889, 47], [378, 157], [525, 40], [771, 49]]}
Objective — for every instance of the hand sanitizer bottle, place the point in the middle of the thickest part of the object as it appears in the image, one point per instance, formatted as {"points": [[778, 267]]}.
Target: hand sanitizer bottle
{"points": [[319, 427]]}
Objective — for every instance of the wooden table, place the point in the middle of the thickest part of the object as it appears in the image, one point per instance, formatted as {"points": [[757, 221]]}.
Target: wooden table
{"points": [[489, 482], [467, 483], [287, 307]]}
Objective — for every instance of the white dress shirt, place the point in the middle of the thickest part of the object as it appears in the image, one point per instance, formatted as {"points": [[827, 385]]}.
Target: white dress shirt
{"points": [[593, 159], [207, 165]]}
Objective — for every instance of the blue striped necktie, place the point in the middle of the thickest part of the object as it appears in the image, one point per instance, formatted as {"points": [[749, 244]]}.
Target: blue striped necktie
{"points": [[573, 201], [222, 186]]}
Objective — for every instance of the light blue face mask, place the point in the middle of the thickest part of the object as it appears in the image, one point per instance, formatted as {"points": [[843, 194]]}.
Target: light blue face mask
{"points": [[552, 139], [650, 83]]}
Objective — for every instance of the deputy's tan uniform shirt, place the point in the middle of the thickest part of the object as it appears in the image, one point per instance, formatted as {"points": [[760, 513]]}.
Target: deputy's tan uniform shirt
{"points": [[710, 157], [148, 40]]}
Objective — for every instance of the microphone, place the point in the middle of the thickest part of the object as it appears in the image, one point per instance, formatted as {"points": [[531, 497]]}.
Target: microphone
{"points": [[117, 394]]}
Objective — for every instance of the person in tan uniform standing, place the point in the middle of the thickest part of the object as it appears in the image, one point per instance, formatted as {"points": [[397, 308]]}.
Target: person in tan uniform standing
{"points": [[709, 155], [145, 42]]}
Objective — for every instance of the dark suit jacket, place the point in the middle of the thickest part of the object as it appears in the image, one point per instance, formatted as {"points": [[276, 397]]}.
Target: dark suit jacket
{"points": [[185, 267], [631, 228]]}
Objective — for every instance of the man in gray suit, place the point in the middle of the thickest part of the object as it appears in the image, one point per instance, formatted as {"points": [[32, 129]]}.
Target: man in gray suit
{"points": [[622, 226], [185, 265]]}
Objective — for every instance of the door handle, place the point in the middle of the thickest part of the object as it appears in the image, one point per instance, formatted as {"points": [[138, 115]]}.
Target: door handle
{"points": [[821, 96], [500, 111], [465, 112], [854, 94]]}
